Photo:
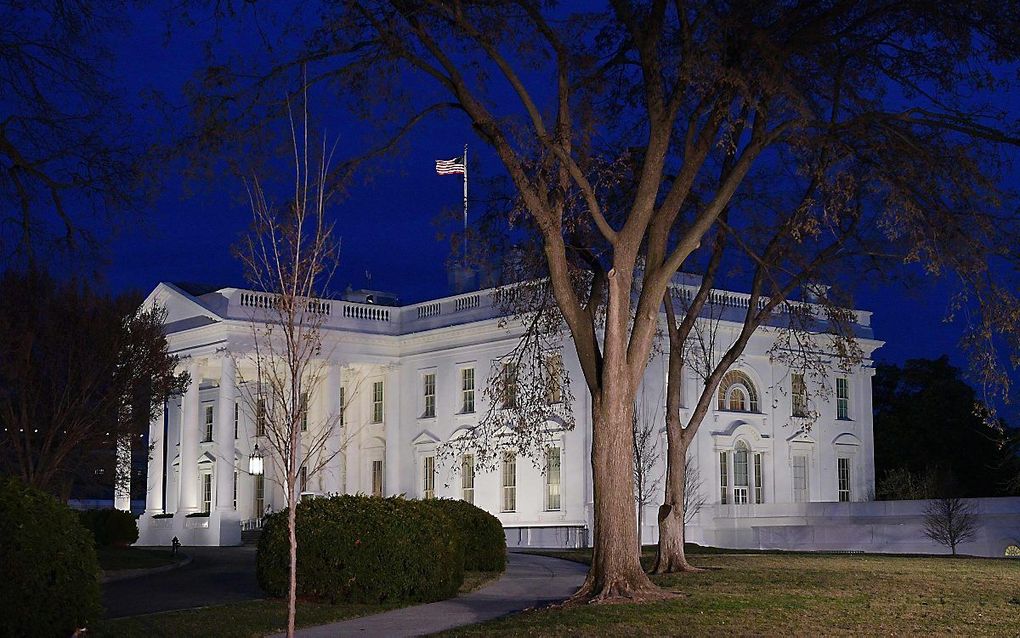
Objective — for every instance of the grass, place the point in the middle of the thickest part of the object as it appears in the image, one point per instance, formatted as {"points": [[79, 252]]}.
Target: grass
{"points": [[251, 618], [799, 594], [116, 558]]}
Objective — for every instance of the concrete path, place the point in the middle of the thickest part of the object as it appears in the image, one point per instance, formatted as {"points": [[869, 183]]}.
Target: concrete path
{"points": [[529, 581], [216, 575]]}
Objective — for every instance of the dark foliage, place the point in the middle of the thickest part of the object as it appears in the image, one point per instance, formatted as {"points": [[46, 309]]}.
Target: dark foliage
{"points": [[481, 533], [364, 549], [110, 527], [930, 440], [49, 585]]}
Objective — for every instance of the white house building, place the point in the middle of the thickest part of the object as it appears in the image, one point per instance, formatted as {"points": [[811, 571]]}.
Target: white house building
{"points": [[411, 377]]}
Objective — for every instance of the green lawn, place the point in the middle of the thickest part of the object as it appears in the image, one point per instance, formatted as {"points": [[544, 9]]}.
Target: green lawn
{"points": [[249, 619], [801, 594], [115, 558]]}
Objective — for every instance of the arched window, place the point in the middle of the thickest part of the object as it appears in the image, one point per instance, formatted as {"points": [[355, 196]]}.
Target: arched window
{"points": [[741, 478], [737, 393]]}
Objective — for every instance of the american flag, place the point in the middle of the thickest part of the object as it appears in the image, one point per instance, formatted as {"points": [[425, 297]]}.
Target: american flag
{"points": [[453, 166]]}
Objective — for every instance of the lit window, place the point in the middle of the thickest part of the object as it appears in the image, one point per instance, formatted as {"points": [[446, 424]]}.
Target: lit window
{"points": [[800, 479], [303, 411], [843, 475], [552, 479], [428, 483], [759, 487], [724, 473], [740, 476], [842, 398], [260, 495], [554, 371], [206, 492], [509, 482], [467, 478], [737, 393], [208, 423], [377, 478], [429, 392], [798, 392], [377, 402], [467, 390]]}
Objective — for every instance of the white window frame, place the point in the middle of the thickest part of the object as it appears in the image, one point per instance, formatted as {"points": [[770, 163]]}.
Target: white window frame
{"points": [[260, 416], [467, 390], [509, 398], [467, 478], [553, 479], [508, 482], [206, 491], [208, 422], [758, 477], [555, 371], [343, 406], [741, 490], [428, 476], [428, 394], [259, 492], [303, 411], [843, 402], [724, 488], [798, 395], [801, 494], [378, 401], [844, 488], [235, 490], [377, 477]]}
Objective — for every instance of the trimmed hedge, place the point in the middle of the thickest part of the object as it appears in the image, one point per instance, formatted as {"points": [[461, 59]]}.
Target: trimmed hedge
{"points": [[364, 549], [50, 585], [110, 527], [481, 532]]}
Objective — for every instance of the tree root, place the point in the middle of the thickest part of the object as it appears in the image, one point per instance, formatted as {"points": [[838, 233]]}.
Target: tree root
{"points": [[618, 591]]}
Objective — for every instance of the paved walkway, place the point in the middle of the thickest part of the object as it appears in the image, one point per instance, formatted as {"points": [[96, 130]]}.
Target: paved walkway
{"points": [[529, 581], [216, 575]]}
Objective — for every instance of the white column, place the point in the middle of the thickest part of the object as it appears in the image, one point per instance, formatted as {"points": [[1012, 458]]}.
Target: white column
{"points": [[331, 479], [188, 501], [154, 474], [224, 435], [391, 423]]}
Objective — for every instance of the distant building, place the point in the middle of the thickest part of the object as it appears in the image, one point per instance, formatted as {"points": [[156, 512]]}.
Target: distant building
{"points": [[413, 377]]}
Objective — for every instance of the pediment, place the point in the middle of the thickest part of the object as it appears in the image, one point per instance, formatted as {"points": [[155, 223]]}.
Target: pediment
{"points": [[180, 306], [425, 438]]}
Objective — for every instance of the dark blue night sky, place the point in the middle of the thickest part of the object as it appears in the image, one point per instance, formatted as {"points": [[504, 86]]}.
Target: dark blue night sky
{"points": [[388, 223]]}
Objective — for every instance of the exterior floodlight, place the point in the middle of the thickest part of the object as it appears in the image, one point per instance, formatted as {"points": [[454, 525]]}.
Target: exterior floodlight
{"points": [[255, 462]]}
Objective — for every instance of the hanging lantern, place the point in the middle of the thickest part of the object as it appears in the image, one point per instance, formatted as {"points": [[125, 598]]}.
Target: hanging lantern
{"points": [[256, 462]]}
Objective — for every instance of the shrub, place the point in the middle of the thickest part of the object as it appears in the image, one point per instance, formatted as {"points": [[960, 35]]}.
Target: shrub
{"points": [[481, 532], [110, 527], [50, 584], [364, 549]]}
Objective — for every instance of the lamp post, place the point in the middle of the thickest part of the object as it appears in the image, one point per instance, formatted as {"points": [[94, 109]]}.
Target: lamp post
{"points": [[256, 462]]}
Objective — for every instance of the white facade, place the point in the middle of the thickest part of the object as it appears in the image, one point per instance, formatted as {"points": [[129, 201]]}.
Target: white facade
{"points": [[420, 358]]}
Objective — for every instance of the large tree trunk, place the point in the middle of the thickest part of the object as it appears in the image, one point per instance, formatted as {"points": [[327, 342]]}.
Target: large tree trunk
{"points": [[616, 571]]}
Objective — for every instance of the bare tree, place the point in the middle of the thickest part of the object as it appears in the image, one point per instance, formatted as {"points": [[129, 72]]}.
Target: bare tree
{"points": [[694, 497], [290, 256], [708, 107], [950, 521], [647, 456]]}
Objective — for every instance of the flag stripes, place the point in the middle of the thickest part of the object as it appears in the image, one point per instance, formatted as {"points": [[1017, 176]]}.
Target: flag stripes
{"points": [[453, 166]]}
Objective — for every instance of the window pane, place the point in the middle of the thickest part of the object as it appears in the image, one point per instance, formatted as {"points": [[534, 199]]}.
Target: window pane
{"points": [[554, 370], [798, 390], [343, 406], [842, 398], [509, 482], [800, 484], [467, 388], [429, 392], [377, 478], [467, 478], [552, 479], [377, 402], [759, 488], [843, 471], [429, 477], [723, 478]]}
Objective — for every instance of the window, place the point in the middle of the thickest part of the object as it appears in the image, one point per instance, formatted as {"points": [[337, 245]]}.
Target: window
{"points": [[343, 406], [737, 393], [759, 487], [509, 482], [798, 392], [237, 419], [303, 411], [724, 473], [467, 390], [206, 492], [554, 387], [377, 478], [842, 398], [260, 495], [260, 417], [843, 476], [428, 480], [377, 402], [429, 394], [800, 479], [467, 478], [302, 479], [208, 424], [235, 489], [509, 382], [552, 479], [740, 476]]}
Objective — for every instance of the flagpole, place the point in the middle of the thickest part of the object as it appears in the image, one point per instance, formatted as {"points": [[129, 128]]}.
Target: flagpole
{"points": [[465, 205]]}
